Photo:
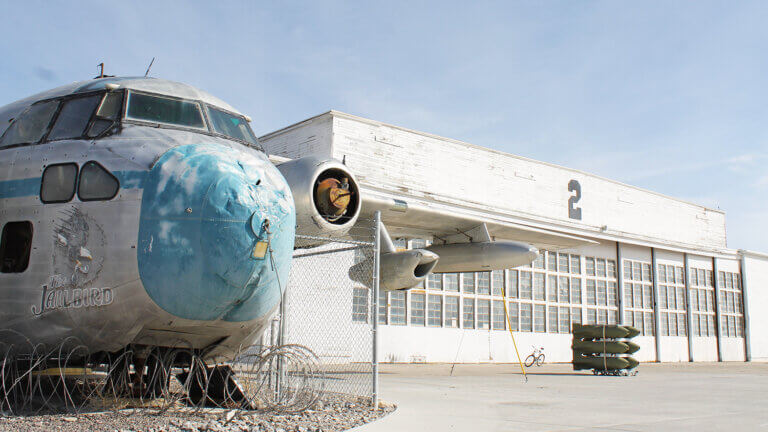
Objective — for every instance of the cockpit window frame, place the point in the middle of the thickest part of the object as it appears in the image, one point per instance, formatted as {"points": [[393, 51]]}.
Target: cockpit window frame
{"points": [[124, 115], [123, 119], [255, 144], [61, 100]]}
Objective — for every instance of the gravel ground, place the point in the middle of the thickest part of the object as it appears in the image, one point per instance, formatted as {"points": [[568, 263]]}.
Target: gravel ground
{"points": [[336, 415]]}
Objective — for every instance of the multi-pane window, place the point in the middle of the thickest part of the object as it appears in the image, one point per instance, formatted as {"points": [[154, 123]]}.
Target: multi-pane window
{"points": [[484, 283], [497, 320], [483, 314], [397, 307], [383, 307], [434, 310], [730, 305], [702, 294], [638, 295], [360, 304], [497, 282], [563, 290], [539, 320], [672, 304], [451, 311], [417, 309], [451, 282], [435, 281], [526, 317], [512, 283], [601, 291], [468, 283], [469, 313], [513, 311]]}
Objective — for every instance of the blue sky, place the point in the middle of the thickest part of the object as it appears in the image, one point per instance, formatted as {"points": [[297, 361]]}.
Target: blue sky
{"points": [[669, 96]]}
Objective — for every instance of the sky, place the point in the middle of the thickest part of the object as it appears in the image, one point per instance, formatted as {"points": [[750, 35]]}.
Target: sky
{"points": [[669, 96]]}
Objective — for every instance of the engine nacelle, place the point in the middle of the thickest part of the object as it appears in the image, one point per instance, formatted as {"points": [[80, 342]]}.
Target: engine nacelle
{"points": [[398, 270], [326, 195]]}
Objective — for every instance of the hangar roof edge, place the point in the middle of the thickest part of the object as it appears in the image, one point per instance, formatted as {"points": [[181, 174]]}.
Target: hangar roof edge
{"points": [[336, 113]]}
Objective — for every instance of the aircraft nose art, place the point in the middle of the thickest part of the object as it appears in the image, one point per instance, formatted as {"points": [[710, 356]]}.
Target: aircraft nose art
{"points": [[216, 233]]}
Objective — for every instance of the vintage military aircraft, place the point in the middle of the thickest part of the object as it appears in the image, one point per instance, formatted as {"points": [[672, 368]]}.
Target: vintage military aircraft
{"points": [[139, 212]]}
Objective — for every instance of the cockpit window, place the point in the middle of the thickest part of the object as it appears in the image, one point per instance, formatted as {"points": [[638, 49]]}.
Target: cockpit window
{"points": [[107, 114], [74, 117], [31, 125], [158, 109], [96, 183], [231, 125]]}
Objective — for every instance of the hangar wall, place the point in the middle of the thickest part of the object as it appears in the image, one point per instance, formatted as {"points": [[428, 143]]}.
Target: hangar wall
{"points": [[660, 264], [755, 267]]}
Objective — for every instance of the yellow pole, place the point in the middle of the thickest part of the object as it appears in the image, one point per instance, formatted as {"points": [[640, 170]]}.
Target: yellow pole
{"points": [[509, 326]]}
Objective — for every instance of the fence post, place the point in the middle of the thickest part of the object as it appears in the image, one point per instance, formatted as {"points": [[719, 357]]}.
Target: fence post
{"points": [[375, 302]]}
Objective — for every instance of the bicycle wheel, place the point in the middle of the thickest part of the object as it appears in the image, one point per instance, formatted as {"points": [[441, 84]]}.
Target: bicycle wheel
{"points": [[530, 360], [540, 359]]}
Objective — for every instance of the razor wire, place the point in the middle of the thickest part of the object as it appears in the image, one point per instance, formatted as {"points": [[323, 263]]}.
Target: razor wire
{"points": [[329, 307], [324, 351]]}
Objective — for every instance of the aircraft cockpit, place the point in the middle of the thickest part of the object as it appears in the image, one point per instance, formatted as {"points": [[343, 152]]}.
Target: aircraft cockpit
{"points": [[92, 115]]}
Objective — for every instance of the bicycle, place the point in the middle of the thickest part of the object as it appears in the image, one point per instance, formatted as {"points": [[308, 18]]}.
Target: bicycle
{"points": [[537, 356]]}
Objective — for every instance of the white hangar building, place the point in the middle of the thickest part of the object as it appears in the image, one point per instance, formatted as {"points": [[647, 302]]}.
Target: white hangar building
{"points": [[653, 261]]}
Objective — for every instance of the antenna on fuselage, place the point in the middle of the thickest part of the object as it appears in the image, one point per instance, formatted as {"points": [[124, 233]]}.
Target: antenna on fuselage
{"points": [[149, 67], [101, 72]]}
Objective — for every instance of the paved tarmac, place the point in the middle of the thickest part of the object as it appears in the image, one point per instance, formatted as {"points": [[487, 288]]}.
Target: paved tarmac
{"points": [[662, 397]]}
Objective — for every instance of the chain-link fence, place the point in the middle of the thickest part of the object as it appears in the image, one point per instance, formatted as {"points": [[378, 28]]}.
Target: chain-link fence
{"points": [[328, 308]]}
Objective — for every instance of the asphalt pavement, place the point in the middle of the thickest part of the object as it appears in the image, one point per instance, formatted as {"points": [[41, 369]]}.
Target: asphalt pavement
{"points": [[661, 397]]}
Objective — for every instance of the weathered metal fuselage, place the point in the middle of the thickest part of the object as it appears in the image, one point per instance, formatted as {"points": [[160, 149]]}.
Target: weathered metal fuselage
{"points": [[171, 260]]}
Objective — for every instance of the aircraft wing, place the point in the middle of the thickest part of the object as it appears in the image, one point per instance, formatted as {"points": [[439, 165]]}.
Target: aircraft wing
{"points": [[409, 217]]}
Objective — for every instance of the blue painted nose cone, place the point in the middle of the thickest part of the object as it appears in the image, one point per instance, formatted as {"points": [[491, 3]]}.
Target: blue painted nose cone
{"points": [[206, 211]]}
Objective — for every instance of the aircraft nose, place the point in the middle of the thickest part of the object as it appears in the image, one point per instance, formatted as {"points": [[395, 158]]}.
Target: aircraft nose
{"points": [[216, 233]]}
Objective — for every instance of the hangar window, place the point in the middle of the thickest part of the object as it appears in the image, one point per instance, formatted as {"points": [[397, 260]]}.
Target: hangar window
{"points": [[484, 283], [483, 314], [575, 315], [552, 288], [96, 183], [434, 310], [451, 311], [15, 247], [360, 305], [74, 116], [417, 309], [514, 314], [526, 317], [397, 307], [539, 321], [601, 290], [468, 283], [58, 183], [638, 303], [498, 321], [383, 307], [512, 283], [452, 282], [525, 285], [552, 318], [31, 125], [435, 281], [731, 307], [672, 304], [468, 321], [497, 280], [538, 286]]}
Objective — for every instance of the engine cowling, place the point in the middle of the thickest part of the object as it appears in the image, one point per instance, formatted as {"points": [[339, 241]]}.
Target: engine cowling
{"points": [[398, 270], [326, 194]]}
